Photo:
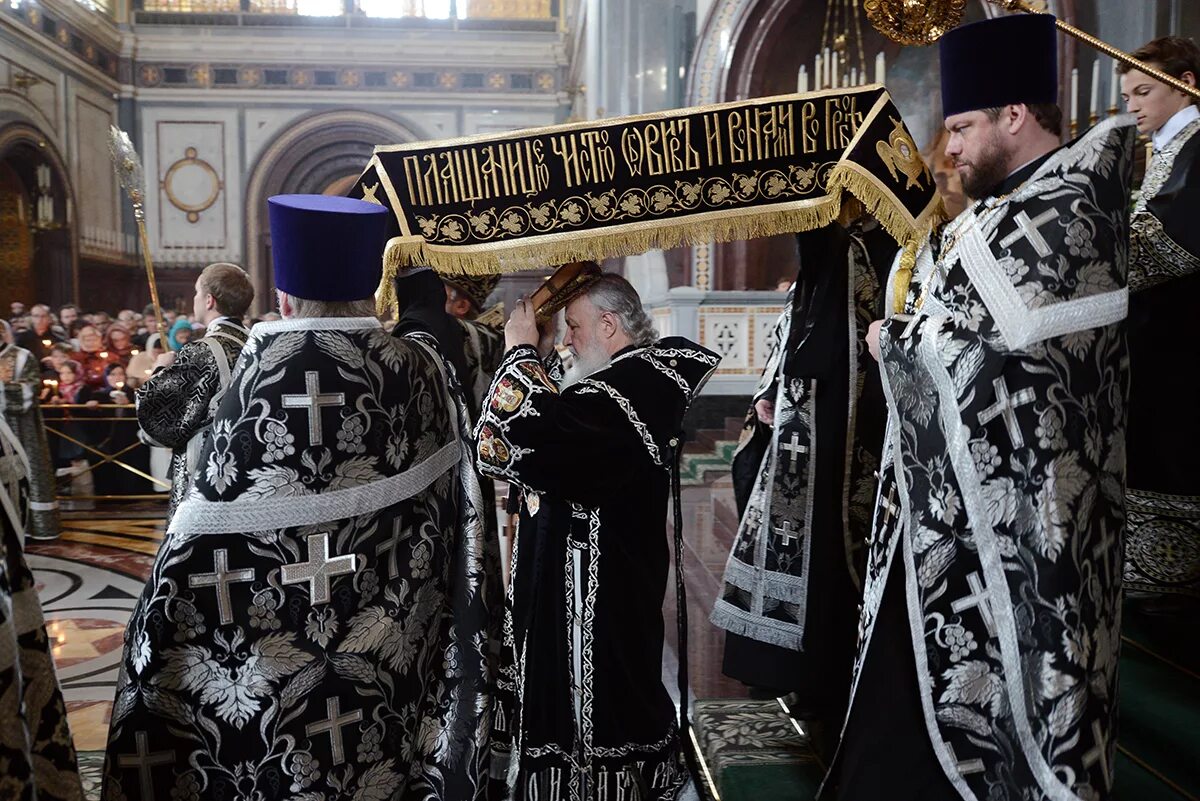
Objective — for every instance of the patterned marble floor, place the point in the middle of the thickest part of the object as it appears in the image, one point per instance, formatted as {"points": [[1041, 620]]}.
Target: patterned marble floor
{"points": [[88, 581]]}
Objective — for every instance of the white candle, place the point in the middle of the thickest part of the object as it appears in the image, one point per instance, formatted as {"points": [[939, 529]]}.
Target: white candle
{"points": [[827, 63], [802, 80], [854, 77], [880, 68], [1114, 87], [836, 75], [817, 72], [1094, 108], [1075, 96]]}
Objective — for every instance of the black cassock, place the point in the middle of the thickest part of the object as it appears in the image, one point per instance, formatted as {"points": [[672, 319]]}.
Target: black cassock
{"points": [[1162, 539], [790, 604], [587, 713]]}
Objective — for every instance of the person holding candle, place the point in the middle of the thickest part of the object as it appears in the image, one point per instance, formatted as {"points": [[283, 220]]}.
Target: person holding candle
{"points": [[92, 357], [1162, 533]]}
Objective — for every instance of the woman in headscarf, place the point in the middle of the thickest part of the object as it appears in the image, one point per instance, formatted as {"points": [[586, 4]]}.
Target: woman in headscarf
{"points": [[141, 365], [118, 341], [180, 334]]}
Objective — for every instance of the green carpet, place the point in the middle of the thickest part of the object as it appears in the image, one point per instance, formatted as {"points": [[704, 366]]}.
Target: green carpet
{"points": [[754, 752]]}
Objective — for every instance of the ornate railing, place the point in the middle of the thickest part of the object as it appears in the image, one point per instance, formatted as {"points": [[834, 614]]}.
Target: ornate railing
{"points": [[84, 438]]}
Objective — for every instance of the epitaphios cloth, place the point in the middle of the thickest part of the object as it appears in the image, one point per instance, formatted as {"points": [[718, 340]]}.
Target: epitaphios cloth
{"points": [[1002, 497], [593, 190], [319, 619], [37, 757]]}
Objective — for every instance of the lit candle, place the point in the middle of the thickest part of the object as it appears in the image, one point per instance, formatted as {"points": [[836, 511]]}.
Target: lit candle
{"points": [[134, 352], [1075, 96], [1114, 88], [802, 80], [1094, 108], [880, 68], [103, 354], [45, 343]]}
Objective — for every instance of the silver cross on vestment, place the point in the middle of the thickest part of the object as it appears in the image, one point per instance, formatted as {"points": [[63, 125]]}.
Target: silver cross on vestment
{"points": [[980, 598], [794, 448], [319, 568], [221, 578], [145, 762], [785, 533], [1006, 407], [313, 400], [965, 767], [333, 727], [1031, 230], [890, 508], [388, 546]]}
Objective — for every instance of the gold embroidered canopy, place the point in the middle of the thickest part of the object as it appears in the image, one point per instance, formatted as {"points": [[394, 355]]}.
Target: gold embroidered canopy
{"points": [[594, 190]]}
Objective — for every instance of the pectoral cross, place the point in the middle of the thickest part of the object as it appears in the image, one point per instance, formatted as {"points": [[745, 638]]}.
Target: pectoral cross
{"points": [[785, 533], [1006, 406], [313, 401], [333, 727], [221, 578], [794, 448], [980, 598], [1099, 752], [145, 762], [319, 568], [1030, 230]]}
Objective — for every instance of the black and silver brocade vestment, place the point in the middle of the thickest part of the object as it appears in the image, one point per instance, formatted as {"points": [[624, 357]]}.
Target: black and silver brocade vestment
{"points": [[1162, 535], [22, 379], [176, 405], [584, 711], [998, 522], [37, 756], [805, 486], [320, 620]]}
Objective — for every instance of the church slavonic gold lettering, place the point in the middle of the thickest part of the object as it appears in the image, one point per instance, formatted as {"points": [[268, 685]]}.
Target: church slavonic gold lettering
{"points": [[842, 119], [472, 174], [762, 132], [712, 139], [660, 147], [809, 127], [586, 157]]}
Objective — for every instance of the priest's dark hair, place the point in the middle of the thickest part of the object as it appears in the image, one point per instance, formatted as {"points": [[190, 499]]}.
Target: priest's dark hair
{"points": [[1048, 115], [1174, 55], [612, 293], [230, 287]]}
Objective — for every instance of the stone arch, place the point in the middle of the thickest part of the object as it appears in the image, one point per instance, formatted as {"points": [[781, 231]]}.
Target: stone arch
{"points": [[754, 48], [23, 146], [314, 155]]}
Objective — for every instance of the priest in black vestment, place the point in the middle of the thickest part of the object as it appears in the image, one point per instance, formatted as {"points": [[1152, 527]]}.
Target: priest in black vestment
{"points": [[1162, 537], [804, 480], [990, 627], [588, 715], [318, 620]]}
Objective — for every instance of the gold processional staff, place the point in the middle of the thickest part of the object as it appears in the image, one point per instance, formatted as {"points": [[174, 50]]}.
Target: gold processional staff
{"points": [[133, 180]]}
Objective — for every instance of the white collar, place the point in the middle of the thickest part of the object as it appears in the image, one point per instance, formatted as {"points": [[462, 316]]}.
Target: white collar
{"points": [[1171, 128], [261, 330]]}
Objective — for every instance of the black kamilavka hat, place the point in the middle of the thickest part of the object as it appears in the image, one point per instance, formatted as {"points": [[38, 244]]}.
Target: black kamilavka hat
{"points": [[998, 62]]}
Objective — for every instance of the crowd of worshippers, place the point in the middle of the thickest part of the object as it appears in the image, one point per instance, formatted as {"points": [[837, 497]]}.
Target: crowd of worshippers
{"points": [[947, 453]]}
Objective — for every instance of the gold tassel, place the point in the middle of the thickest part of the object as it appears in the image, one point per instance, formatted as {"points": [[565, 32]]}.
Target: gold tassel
{"points": [[903, 278]]}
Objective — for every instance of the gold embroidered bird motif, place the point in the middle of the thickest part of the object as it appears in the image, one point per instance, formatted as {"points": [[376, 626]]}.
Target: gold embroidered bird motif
{"points": [[901, 157]]}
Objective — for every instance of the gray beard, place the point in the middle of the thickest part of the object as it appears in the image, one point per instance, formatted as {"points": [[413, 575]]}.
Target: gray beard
{"points": [[582, 366]]}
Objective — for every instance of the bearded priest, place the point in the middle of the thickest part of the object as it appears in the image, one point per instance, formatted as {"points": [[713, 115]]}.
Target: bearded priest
{"points": [[989, 633], [585, 712], [316, 624]]}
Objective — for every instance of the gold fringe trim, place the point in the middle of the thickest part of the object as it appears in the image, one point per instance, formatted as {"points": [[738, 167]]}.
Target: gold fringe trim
{"points": [[556, 249], [598, 245]]}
